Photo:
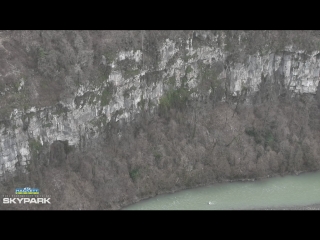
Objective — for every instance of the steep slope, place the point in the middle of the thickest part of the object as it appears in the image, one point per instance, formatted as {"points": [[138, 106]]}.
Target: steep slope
{"points": [[100, 119]]}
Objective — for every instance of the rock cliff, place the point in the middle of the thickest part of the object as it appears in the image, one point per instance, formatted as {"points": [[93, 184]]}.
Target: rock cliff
{"points": [[181, 108]]}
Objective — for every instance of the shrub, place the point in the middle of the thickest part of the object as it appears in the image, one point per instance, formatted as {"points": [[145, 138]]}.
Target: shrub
{"points": [[250, 131], [107, 94], [134, 173], [35, 147], [262, 136], [173, 99], [157, 156], [269, 139], [189, 69]]}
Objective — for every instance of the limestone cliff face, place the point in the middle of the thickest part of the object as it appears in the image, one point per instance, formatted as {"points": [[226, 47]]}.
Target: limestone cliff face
{"points": [[134, 83]]}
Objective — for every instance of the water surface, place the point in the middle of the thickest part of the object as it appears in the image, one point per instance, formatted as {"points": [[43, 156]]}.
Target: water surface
{"points": [[285, 191]]}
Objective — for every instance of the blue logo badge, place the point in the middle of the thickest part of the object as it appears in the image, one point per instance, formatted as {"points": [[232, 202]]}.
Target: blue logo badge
{"points": [[27, 190]]}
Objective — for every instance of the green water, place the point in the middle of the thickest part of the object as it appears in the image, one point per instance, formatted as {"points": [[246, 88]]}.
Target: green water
{"points": [[285, 191]]}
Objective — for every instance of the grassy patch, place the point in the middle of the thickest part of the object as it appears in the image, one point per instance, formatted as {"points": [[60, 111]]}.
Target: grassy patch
{"points": [[110, 56], [256, 134], [35, 147], [128, 68], [42, 53], [47, 125], [157, 156], [264, 137], [189, 69], [269, 139], [250, 131], [172, 81], [107, 94], [173, 99], [134, 174], [102, 76]]}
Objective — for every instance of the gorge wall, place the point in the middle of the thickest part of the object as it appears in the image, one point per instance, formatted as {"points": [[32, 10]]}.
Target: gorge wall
{"points": [[100, 119]]}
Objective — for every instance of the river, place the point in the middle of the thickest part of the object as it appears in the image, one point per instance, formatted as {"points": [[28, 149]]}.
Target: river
{"points": [[288, 192]]}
